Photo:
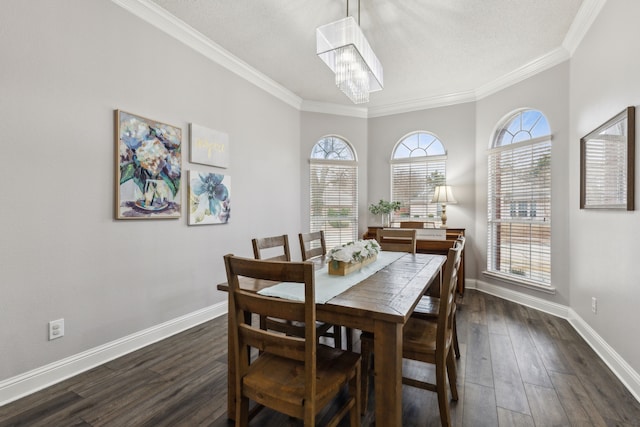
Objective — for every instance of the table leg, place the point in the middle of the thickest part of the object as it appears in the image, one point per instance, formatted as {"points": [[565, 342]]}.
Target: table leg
{"points": [[387, 348]]}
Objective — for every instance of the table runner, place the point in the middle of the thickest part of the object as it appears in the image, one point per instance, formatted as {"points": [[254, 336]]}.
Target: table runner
{"points": [[328, 286]]}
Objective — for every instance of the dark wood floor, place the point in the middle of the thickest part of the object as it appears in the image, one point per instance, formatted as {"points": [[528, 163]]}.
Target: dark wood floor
{"points": [[519, 367]]}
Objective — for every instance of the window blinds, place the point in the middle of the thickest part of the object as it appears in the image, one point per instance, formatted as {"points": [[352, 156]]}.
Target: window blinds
{"points": [[413, 185], [334, 201], [519, 227]]}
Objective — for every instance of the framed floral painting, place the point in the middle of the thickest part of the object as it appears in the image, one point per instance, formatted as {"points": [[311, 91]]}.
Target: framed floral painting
{"points": [[148, 168], [209, 198]]}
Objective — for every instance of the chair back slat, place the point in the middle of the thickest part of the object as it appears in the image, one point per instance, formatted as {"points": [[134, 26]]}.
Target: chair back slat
{"points": [[448, 293], [266, 244], [287, 346], [397, 239], [309, 239]]}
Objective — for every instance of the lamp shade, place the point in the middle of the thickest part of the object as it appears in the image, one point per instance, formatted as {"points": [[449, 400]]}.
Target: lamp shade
{"points": [[443, 195]]}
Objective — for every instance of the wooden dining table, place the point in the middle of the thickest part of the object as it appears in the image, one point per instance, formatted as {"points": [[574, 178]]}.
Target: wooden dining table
{"points": [[382, 304]]}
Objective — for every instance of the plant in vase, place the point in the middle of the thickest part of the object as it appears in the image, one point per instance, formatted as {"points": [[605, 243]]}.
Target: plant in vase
{"points": [[384, 208]]}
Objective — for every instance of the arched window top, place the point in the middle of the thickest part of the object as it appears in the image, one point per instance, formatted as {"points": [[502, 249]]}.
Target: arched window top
{"points": [[332, 148], [418, 144], [521, 126]]}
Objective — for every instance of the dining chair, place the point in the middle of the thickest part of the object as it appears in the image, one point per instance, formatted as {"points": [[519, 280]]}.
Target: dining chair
{"points": [[430, 341], [429, 306], [397, 239], [268, 244], [293, 375], [266, 248], [312, 246]]}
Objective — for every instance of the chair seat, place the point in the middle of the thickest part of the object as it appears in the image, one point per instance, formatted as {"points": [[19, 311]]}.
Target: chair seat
{"points": [[283, 380]]}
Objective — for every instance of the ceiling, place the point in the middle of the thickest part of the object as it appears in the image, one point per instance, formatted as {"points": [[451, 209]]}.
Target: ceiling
{"points": [[431, 50]]}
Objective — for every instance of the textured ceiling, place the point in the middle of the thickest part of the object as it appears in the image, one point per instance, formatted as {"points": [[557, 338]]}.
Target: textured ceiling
{"points": [[428, 48]]}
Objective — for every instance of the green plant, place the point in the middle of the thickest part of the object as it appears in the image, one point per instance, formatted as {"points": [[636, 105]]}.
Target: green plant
{"points": [[384, 207]]}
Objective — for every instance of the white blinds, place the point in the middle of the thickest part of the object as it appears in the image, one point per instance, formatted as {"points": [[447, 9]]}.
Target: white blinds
{"points": [[519, 227], [413, 184], [605, 172], [334, 201]]}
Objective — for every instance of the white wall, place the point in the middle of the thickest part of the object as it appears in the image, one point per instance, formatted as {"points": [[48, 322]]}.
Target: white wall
{"points": [[314, 126], [548, 92], [65, 67], [455, 127], [604, 247]]}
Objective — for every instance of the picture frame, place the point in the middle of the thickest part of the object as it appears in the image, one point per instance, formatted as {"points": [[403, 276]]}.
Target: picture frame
{"points": [[208, 146], [148, 168], [209, 198], [607, 164]]}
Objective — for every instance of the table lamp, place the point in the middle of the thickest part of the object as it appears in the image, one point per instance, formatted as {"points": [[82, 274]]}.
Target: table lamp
{"points": [[444, 196]]}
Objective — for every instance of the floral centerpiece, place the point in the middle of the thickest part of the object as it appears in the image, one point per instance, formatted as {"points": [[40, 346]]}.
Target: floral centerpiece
{"points": [[352, 256], [384, 208]]}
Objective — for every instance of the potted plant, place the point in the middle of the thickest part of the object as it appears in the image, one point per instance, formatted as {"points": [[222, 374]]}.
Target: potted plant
{"points": [[384, 208]]}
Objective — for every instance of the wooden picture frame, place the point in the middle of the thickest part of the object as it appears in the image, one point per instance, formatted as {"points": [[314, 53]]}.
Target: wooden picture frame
{"points": [[607, 164], [148, 168]]}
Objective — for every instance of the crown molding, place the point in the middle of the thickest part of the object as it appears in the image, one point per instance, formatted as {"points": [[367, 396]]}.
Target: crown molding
{"points": [[166, 22], [338, 109], [178, 29], [542, 63], [422, 104], [587, 13]]}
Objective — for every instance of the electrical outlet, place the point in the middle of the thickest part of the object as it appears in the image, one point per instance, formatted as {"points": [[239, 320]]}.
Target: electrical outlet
{"points": [[56, 329], [594, 305]]}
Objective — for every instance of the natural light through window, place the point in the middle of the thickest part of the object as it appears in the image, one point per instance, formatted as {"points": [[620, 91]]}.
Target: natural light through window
{"points": [[519, 199], [418, 165], [334, 190]]}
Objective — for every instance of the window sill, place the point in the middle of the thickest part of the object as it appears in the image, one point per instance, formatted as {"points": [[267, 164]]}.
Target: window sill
{"points": [[521, 282]]}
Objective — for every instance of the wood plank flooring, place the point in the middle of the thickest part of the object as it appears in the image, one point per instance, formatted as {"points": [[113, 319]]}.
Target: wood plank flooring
{"points": [[519, 367]]}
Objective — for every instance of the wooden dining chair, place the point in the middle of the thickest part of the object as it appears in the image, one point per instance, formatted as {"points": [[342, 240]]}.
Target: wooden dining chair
{"points": [[429, 307], [430, 341], [397, 239], [312, 246], [266, 248], [293, 375], [268, 244]]}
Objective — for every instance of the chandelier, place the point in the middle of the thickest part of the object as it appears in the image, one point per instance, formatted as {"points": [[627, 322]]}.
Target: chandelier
{"points": [[344, 48]]}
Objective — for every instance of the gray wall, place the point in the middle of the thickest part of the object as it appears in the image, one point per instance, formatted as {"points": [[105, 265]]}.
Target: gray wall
{"points": [[65, 67], [604, 245], [548, 92]]}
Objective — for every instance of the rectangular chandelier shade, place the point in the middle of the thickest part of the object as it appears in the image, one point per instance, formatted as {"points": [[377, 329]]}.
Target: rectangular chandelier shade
{"points": [[344, 48]]}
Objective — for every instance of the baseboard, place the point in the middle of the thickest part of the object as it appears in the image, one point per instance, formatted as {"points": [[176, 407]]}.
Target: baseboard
{"points": [[614, 361], [553, 308], [625, 373], [22, 385]]}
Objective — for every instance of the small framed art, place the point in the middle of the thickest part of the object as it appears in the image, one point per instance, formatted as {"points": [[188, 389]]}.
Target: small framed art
{"points": [[208, 146], [209, 198]]}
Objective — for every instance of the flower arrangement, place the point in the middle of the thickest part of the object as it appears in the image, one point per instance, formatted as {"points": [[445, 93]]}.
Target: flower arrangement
{"points": [[354, 252]]}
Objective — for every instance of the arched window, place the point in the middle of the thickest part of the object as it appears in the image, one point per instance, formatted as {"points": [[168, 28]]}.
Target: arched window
{"points": [[418, 165], [519, 217], [334, 190]]}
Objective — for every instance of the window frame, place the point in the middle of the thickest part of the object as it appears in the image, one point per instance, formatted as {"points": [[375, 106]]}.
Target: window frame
{"points": [[428, 162], [323, 221], [528, 214]]}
